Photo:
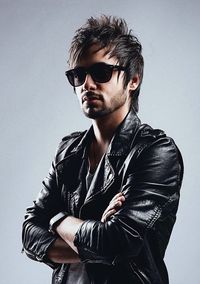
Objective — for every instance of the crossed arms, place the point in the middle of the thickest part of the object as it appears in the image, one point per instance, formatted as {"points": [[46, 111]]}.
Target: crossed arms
{"points": [[151, 196], [63, 249]]}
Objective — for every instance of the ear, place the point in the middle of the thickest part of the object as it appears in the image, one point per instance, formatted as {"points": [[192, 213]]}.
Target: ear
{"points": [[134, 83]]}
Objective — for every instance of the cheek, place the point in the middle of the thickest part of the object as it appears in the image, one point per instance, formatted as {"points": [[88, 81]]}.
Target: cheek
{"points": [[116, 88], [116, 82]]}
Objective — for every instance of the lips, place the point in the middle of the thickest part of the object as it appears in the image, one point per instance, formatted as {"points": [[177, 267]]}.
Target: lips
{"points": [[89, 97]]}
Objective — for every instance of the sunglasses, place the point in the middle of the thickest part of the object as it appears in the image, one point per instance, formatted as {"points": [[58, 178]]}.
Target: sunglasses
{"points": [[100, 73]]}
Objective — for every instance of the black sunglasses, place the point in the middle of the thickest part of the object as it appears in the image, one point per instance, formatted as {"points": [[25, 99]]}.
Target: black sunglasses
{"points": [[100, 73]]}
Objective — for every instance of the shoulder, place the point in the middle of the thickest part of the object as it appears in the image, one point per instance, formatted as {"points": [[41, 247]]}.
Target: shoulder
{"points": [[72, 136], [149, 133], [150, 136], [158, 149], [150, 141]]}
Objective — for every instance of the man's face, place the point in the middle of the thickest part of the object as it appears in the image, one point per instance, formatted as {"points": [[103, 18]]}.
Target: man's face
{"points": [[100, 99]]}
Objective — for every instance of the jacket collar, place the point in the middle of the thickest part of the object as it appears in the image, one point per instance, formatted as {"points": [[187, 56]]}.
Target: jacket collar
{"points": [[82, 145], [111, 163], [125, 133], [120, 143]]}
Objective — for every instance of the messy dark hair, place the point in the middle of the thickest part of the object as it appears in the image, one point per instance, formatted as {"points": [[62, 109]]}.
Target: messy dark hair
{"points": [[111, 33]]}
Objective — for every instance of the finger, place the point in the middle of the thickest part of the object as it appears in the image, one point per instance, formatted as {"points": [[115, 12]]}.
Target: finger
{"points": [[107, 215], [112, 208], [116, 203], [116, 196], [121, 198]]}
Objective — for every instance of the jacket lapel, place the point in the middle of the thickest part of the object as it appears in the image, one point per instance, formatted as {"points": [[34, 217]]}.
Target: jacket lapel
{"points": [[107, 172]]}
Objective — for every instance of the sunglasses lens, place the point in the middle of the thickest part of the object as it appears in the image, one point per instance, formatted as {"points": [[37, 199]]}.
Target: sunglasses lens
{"points": [[76, 76], [101, 72]]}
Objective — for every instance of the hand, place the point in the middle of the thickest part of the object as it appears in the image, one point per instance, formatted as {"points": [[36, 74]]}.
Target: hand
{"points": [[113, 206]]}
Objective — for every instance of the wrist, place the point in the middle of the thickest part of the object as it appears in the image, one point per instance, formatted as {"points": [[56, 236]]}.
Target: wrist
{"points": [[56, 220]]}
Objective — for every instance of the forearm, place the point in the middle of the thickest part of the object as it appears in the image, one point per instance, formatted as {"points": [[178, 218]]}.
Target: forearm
{"points": [[61, 252], [67, 230], [70, 225]]}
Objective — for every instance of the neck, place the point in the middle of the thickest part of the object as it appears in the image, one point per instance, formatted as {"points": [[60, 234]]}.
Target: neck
{"points": [[105, 127]]}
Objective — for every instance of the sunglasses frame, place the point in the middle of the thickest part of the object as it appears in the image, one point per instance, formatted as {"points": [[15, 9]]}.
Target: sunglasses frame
{"points": [[70, 73]]}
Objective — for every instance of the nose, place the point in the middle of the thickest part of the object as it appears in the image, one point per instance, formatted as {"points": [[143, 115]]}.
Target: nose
{"points": [[89, 83]]}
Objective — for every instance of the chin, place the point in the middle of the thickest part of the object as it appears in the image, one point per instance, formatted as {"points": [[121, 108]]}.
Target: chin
{"points": [[94, 114]]}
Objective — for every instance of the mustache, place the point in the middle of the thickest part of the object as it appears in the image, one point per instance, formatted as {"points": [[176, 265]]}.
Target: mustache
{"points": [[91, 95]]}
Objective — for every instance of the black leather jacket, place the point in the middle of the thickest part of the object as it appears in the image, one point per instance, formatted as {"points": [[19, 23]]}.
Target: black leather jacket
{"points": [[147, 167]]}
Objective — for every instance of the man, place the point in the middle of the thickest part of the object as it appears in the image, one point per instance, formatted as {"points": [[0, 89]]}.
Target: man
{"points": [[109, 203]]}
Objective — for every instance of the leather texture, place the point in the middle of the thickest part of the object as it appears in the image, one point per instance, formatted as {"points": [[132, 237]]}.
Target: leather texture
{"points": [[147, 167]]}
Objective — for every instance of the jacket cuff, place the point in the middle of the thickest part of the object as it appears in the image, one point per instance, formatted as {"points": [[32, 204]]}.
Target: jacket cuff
{"points": [[86, 253], [45, 259], [41, 254]]}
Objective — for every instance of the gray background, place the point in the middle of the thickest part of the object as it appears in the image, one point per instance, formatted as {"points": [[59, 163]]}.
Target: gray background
{"points": [[38, 107]]}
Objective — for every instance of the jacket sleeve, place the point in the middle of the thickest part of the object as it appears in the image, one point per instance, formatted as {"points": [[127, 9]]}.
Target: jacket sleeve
{"points": [[36, 238], [151, 188]]}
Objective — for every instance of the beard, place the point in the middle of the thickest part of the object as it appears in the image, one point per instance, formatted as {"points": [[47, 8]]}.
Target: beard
{"points": [[100, 108], [93, 105], [94, 113]]}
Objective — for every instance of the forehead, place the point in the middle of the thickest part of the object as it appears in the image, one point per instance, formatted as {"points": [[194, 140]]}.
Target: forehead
{"points": [[94, 54]]}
